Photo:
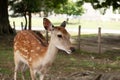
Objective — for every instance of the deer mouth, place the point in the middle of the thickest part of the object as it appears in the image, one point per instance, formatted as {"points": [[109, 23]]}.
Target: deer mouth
{"points": [[72, 49], [69, 51]]}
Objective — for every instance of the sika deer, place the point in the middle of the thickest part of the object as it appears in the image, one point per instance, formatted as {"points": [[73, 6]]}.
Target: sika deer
{"points": [[30, 50]]}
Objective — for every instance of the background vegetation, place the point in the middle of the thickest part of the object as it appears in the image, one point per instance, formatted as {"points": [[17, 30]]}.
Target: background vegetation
{"points": [[65, 65]]}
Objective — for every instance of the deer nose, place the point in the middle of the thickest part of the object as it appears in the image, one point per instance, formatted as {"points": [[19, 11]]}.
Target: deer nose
{"points": [[72, 49]]}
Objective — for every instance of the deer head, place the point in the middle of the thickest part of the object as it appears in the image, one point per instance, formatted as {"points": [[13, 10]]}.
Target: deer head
{"points": [[59, 36]]}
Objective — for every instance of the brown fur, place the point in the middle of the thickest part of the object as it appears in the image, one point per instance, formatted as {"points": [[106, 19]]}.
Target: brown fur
{"points": [[28, 42], [31, 49]]}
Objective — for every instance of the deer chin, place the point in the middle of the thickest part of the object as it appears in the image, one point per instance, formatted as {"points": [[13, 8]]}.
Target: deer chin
{"points": [[72, 49], [69, 52]]}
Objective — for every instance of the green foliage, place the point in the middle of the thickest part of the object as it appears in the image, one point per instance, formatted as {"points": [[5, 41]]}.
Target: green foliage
{"points": [[19, 7], [71, 8], [47, 6], [53, 4], [104, 3]]}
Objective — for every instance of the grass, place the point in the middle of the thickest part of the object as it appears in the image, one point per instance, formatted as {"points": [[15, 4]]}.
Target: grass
{"points": [[73, 23], [103, 24], [6, 61], [82, 61], [64, 64]]}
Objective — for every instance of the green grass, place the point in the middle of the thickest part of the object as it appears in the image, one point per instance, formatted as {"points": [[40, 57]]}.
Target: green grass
{"points": [[83, 61], [65, 64], [6, 61], [73, 24], [103, 24]]}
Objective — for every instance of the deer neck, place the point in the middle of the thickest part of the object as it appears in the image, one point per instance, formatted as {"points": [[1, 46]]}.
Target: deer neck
{"points": [[51, 52]]}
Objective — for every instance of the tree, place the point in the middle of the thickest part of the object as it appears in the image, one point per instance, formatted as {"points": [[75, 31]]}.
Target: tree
{"points": [[27, 7], [71, 8], [104, 3], [5, 27], [50, 5], [24, 8]]}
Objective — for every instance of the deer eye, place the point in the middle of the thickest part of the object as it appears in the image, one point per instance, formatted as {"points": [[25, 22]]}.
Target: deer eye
{"points": [[60, 36]]}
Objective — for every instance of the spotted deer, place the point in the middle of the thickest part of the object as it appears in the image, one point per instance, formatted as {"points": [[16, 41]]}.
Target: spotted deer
{"points": [[30, 50]]}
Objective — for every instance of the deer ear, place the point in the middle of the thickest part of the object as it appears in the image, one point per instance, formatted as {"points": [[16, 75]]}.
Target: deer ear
{"points": [[47, 24], [63, 24]]}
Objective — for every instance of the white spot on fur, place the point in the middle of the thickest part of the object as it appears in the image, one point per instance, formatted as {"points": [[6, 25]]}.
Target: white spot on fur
{"points": [[30, 59], [38, 48], [32, 50], [25, 56], [36, 54], [27, 53], [23, 49]]}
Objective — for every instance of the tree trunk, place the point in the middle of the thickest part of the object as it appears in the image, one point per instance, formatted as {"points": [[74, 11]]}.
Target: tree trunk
{"points": [[5, 27], [45, 14], [30, 20], [25, 21]]}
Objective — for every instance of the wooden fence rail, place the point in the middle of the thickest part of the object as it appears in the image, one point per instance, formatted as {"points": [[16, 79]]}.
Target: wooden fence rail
{"points": [[98, 40], [79, 37]]}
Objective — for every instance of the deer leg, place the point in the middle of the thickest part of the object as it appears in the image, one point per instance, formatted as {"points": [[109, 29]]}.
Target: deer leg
{"points": [[43, 73], [32, 73], [42, 76], [23, 71], [15, 72], [16, 68]]}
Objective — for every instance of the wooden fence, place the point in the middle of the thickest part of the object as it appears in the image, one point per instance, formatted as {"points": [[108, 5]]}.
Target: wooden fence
{"points": [[99, 39], [79, 37]]}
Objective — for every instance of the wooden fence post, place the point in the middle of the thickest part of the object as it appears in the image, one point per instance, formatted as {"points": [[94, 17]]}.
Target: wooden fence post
{"points": [[14, 24], [99, 40], [22, 25], [79, 36]]}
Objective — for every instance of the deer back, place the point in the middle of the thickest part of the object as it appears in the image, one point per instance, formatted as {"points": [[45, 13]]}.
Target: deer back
{"points": [[30, 46]]}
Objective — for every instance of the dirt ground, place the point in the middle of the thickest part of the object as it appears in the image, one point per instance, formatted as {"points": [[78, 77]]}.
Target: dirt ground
{"points": [[109, 42]]}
